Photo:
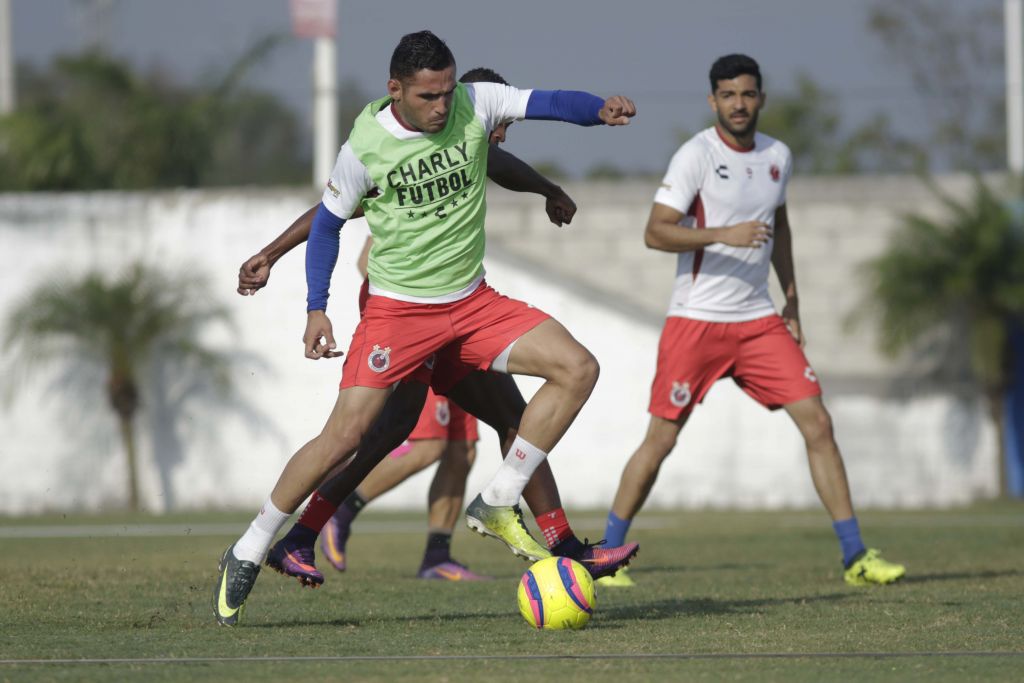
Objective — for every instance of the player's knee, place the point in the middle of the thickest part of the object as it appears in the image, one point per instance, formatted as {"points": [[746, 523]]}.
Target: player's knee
{"points": [[581, 370], [818, 427]]}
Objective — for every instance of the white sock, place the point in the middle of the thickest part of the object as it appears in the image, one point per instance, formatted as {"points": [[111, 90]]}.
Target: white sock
{"points": [[255, 542], [515, 471]]}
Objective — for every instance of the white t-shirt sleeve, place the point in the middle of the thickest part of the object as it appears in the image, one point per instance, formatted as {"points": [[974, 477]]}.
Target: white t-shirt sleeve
{"points": [[683, 179], [348, 184], [495, 103]]}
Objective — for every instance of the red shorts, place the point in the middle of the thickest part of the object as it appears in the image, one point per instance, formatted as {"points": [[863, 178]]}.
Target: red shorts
{"points": [[443, 420], [394, 337], [440, 372], [760, 355]]}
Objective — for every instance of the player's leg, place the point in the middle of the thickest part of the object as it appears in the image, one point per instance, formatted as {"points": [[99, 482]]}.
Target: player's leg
{"points": [[692, 355], [827, 470], [772, 368], [861, 565], [294, 554], [545, 350], [642, 468], [496, 400], [353, 414], [447, 492]]}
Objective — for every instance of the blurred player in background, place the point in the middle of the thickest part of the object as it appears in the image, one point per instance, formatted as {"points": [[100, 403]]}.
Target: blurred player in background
{"points": [[722, 208]]}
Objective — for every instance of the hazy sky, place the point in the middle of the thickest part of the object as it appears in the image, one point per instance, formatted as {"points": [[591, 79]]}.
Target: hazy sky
{"points": [[658, 53]]}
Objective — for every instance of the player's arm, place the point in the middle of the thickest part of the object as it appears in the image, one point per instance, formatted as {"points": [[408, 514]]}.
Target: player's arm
{"points": [[578, 107], [514, 174], [665, 232], [349, 183], [782, 261], [255, 272]]}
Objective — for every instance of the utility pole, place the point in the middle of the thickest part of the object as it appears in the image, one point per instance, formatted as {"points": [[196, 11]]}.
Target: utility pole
{"points": [[1013, 25], [7, 91], [317, 19]]}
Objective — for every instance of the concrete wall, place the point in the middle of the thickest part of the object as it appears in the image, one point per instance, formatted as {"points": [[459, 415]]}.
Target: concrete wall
{"points": [[904, 445]]}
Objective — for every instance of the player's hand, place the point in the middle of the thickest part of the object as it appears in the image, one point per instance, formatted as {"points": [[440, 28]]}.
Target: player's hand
{"points": [[319, 336], [253, 275], [791, 316], [617, 111], [560, 207], [754, 234]]}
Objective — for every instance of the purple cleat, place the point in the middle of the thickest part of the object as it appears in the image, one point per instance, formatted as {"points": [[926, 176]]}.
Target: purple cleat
{"points": [[451, 571], [605, 561], [292, 558], [333, 538]]}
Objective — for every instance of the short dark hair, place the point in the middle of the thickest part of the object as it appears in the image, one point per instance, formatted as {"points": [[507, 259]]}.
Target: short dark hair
{"points": [[417, 51], [482, 74], [730, 66]]}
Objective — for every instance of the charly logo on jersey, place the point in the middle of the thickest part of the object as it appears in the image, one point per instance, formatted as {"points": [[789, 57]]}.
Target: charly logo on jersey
{"points": [[722, 171], [680, 394], [379, 359], [809, 374], [443, 413], [775, 173], [435, 183]]}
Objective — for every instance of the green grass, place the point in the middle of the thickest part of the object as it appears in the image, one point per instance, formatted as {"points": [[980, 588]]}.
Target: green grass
{"points": [[715, 584]]}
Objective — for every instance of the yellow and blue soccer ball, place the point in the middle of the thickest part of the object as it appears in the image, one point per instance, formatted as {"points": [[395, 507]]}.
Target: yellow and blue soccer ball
{"points": [[556, 593]]}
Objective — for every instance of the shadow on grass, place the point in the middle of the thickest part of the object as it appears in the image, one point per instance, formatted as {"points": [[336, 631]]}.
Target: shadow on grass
{"points": [[657, 609], [683, 568], [673, 607], [958, 576]]}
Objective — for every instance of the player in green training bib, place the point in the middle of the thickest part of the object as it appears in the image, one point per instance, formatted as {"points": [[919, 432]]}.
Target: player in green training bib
{"points": [[422, 153]]}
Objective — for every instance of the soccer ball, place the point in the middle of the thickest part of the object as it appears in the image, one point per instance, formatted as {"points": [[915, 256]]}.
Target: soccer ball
{"points": [[556, 593]]}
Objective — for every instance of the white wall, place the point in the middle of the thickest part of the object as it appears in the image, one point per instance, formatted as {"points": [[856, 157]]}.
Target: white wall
{"points": [[59, 448]]}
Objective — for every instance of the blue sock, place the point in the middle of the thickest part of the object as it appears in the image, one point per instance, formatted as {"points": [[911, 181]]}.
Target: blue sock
{"points": [[615, 532], [848, 532]]}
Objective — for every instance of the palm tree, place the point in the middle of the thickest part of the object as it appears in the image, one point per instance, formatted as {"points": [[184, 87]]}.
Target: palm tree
{"points": [[122, 324], [962, 276]]}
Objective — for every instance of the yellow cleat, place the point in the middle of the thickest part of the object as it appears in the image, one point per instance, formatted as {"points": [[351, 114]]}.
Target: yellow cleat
{"points": [[620, 579], [870, 568], [505, 523]]}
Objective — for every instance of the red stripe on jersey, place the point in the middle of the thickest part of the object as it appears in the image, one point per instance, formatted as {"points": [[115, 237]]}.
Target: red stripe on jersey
{"points": [[697, 211], [733, 147]]}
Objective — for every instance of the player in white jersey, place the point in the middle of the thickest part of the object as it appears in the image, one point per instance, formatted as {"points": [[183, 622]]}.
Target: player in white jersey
{"points": [[722, 208]]}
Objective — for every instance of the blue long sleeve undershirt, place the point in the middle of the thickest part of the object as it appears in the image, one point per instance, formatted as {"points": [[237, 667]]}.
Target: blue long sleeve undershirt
{"points": [[321, 256], [571, 106]]}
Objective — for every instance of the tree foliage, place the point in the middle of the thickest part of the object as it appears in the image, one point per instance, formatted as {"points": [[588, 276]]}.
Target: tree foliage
{"points": [[90, 121], [953, 52], [958, 280], [122, 325]]}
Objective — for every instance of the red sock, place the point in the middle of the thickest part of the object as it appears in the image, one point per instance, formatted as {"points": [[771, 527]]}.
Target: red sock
{"points": [[554, 526], [317, 512]]}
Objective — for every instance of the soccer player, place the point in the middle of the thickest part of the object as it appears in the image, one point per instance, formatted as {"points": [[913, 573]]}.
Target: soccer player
{"points": [[492, 397], [424, 148], [722, 208]]}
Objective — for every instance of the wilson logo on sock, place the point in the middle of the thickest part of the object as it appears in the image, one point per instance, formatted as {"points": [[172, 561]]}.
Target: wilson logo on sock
{"points": [[520, 454]]}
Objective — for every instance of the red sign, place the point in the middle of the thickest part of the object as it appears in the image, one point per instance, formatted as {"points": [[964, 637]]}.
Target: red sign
{"points": [[314, 18]]}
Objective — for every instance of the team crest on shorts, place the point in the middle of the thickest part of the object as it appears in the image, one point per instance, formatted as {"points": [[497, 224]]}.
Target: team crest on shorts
{"points": [[442, 413], [379, 359], [680, 395], [809, 374]]}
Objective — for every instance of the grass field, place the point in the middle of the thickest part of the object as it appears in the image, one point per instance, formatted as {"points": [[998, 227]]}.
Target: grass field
{"points": [[720, 596]]}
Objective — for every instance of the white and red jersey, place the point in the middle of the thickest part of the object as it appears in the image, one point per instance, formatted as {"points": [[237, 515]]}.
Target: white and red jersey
{"points": [[717, 185]]}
